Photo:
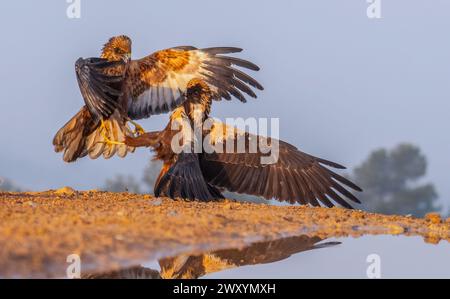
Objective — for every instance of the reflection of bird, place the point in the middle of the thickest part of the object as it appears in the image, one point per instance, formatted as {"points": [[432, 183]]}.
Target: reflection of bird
{"points": [[117, 90], [195, 266], [135, 272], [295, 176]]}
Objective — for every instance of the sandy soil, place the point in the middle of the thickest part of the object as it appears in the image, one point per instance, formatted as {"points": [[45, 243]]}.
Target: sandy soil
{"points": [[114, 230]]}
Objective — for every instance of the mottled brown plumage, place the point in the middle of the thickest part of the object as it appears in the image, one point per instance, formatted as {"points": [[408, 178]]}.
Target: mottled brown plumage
{"points": [[195, 266], [117, 89], [295, 177]]}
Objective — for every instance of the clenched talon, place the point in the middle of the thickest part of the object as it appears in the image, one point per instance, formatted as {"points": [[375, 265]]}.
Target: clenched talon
{"points": [[138, 130], [106, 140], [109, 142]]}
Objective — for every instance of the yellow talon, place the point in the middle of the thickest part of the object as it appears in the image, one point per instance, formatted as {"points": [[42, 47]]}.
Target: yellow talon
{"points": [[138, 130], [105, 136]]}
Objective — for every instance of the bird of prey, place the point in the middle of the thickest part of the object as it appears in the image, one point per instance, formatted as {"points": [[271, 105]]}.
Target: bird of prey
{"points": [[195, 266], [118, 90], [295, 177], [191, 266]]}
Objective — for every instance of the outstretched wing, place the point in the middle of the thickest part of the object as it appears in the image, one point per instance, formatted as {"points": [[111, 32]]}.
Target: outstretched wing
{"points": [[100, 89], [295, 177], [158, 83]]}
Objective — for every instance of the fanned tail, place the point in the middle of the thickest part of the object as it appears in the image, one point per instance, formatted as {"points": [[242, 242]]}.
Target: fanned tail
{"points": [[184, 179], [83, 135]]}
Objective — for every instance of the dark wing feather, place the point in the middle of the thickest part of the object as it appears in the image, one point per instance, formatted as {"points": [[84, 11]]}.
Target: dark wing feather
{"points": [[295, 177], [184, 179], [100, 91], [158, 83]]}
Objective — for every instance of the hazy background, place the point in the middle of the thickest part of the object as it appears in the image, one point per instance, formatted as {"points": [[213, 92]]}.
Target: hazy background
{"points": [[342, 84]]}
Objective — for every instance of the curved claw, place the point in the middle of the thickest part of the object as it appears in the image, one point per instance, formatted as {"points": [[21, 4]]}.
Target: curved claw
{"points": [[106, 139], [138, 130], [110, 142]]}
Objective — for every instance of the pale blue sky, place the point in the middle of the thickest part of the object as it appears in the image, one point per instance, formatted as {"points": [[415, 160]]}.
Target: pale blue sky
{"points": [[341, 84]]}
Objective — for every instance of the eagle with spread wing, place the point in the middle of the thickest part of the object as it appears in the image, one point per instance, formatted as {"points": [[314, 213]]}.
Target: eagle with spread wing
{"points": [[118, 90], [294, 176]]}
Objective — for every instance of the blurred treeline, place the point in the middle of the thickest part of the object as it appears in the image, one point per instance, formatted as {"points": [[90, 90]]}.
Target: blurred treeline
{"points": [[8, 185], [392, 180]]}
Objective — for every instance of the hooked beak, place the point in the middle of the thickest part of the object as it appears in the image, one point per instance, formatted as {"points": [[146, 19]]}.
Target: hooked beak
{"points": [[127, 57]]}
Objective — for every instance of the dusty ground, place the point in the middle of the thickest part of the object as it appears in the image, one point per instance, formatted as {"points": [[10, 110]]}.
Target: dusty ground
{"points": [[112, 230]]}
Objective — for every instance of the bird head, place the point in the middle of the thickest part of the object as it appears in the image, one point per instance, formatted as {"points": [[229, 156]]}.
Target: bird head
{"points": [[117, 48]]}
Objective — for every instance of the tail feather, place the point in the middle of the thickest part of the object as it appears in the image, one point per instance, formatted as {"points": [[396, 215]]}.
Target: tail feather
{"points": [[184, 179], [69, 139], [82, 135]]}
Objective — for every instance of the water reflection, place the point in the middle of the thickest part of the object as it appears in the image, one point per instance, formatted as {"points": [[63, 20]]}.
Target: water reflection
{"points": [[195, 266]]}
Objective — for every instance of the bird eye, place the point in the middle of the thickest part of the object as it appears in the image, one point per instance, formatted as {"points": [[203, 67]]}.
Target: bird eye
{"points": [[119, 50]]}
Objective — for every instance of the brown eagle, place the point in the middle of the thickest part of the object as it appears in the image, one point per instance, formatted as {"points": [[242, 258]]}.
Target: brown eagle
{"points": [[118, 90], [295, 176], [193, 266]]}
